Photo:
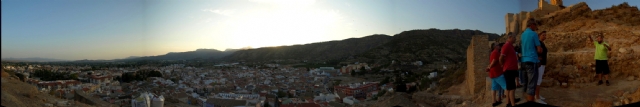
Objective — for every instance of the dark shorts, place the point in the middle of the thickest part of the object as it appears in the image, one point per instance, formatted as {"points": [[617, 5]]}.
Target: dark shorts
{"points": [[530, 77], [510, 78], [602, 67]]}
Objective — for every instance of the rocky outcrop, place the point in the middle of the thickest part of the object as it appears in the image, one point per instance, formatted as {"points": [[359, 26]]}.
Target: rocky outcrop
{"points": [[626, 97], [571, 54]]}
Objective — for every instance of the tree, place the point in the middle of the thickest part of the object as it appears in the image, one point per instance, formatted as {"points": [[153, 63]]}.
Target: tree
{"points": [[400, 84], [266, 104], [385, 81], [337, 82], [281, 94], [20, 76], [361, 73], [118, 78], [175, 80], [353, 73], [74, 76]]}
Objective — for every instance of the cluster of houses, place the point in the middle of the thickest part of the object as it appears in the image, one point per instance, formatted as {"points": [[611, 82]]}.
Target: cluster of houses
{"points": [[235, 86], [354, 67]]}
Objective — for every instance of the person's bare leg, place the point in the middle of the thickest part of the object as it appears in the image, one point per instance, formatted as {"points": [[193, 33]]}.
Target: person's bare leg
{"points": [[494, 96], [600, 77], [517, 82], [530, 97], [512, 97], [538, 92], [606, 77]]}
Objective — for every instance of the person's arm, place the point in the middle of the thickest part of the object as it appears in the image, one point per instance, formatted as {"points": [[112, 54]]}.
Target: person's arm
{"points": [[493, 63], [501, 60], [539, 49], [590, 39], [607, 46], [536, 42]]}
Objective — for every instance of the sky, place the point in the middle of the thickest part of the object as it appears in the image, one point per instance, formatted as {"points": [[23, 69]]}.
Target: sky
{"points": [[113, 29]]}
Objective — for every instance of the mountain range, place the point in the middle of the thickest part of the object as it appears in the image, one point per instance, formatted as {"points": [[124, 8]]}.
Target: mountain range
{"points": [[423, 44], [32, 59], [414, 45], [199, 53]]}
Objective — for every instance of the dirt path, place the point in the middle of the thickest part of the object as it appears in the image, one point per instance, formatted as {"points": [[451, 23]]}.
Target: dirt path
{"points": [[583, 96]]}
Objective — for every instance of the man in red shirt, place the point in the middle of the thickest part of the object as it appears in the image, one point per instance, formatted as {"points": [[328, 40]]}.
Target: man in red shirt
{"points": [[509, 62], [498, 82]]}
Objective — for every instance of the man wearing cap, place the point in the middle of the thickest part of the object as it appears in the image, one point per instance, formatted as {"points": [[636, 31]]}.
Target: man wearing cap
{"points": [[530, 45]]}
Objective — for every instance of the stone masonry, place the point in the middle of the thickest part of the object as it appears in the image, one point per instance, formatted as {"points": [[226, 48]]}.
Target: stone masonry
{"points": [[515, 22], [477, 61]]}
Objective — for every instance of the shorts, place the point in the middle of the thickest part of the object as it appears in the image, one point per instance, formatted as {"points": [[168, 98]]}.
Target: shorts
{"points": [[602, 67], [498, 83], [540, 73], [510, 79], [530, 76]]}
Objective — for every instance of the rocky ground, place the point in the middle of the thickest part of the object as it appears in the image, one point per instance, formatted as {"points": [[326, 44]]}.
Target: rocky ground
{"points": [[571, 62], [16, 93]]}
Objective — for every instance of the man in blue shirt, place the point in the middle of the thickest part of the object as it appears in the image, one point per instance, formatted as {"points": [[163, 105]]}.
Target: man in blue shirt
{"points": [[530, 45]]}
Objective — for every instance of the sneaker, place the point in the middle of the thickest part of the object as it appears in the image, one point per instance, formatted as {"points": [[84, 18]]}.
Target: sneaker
{"points": [[542, 98], [540, 101], [608, 83], [509, 105], [496, 103], [600, 82]]}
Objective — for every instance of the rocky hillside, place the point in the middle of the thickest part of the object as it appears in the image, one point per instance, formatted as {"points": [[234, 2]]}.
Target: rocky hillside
{"points": [[314, 51], [571, 50], [571, 58], [426, 45], [16, 93]]}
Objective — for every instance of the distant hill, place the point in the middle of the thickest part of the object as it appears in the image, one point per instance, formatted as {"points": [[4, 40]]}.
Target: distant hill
{"points": [[429, 44], [314, 51], [33, 59], [425, 45], [132, 57], [200, 53]]}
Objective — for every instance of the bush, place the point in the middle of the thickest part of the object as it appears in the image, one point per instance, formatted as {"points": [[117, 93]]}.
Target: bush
{"points": [[20, 76]]}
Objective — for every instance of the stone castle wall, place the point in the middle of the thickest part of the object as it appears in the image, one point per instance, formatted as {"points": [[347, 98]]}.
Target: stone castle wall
{"points": [[477, 61], [516, 22]]}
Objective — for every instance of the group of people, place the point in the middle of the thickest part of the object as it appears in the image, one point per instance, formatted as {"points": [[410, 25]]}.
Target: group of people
{"points": [[510, 69]]}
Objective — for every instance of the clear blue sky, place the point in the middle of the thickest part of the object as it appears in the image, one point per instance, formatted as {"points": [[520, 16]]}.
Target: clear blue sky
{"points": [[109, 29]]}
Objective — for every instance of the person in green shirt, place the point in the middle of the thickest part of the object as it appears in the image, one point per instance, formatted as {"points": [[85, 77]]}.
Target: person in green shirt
{"points": [[602, 67]]}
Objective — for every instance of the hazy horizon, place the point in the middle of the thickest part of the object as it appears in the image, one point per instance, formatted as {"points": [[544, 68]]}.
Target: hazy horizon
{"points": [[116, 29]]}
